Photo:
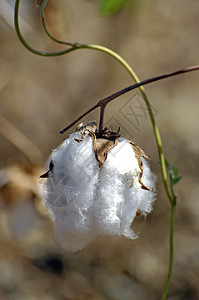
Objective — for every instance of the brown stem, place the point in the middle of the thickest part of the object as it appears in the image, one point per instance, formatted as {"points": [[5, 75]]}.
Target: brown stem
{"points": [[102, 109], [146, 81], [103, 102]]}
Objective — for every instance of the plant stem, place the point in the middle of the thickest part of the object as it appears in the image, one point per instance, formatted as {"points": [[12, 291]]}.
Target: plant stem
{"points": [[171, 251], [111, 97], [102, 109]]}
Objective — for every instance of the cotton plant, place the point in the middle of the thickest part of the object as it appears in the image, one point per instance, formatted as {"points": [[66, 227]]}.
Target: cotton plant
{"points": [[97, 183]]}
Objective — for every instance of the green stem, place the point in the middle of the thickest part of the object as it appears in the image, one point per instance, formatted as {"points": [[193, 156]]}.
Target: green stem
{"points": [[171, 251]]}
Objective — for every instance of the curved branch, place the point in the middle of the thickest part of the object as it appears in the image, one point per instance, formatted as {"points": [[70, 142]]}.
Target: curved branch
{"points": [[111, 97]]}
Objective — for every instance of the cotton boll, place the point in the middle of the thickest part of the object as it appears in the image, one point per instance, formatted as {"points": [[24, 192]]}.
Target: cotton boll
{"points": [[122, 158], [119, 193], [112, 187], [138, 200], [96, 184], [107, 203], [146, 198], [71, 240], [70, 190]]}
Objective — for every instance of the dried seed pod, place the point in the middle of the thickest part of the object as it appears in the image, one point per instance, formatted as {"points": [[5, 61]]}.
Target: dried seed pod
{"points": [[96, 184]]}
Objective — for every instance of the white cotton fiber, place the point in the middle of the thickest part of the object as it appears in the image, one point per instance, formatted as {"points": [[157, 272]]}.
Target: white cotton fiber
{"points": [[119, 194], [70, 191], [87, 199]]}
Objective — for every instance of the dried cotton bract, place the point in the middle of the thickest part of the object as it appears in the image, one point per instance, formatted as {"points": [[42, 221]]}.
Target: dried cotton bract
{"points": [[96, 185]]}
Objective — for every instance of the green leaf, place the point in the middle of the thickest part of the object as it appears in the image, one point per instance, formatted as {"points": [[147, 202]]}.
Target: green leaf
{"points": [[176, 180], [109, 7], [167, 164], [173, 173]]}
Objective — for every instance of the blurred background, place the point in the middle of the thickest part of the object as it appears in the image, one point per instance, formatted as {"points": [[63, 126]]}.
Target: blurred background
{"points": [[39, 96]]}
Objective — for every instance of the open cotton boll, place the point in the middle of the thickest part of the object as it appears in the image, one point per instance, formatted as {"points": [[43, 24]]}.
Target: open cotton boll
{"points": [[112, 184], [120, 195], [96, 185], [69, 191]]}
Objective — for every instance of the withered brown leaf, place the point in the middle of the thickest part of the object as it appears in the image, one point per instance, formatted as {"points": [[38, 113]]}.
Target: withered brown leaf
{"points": [[101, 148], [138, 154]]}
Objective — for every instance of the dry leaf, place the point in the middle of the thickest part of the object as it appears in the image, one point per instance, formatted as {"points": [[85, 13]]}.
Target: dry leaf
{"points": [[140, 153], [101, 148]]}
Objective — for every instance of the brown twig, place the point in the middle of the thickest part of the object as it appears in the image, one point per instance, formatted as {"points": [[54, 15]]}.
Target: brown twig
{"points": [[103, 102]]}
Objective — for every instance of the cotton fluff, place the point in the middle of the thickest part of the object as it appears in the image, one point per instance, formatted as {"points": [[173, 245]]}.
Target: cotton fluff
{"points": [[87, 199]]}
